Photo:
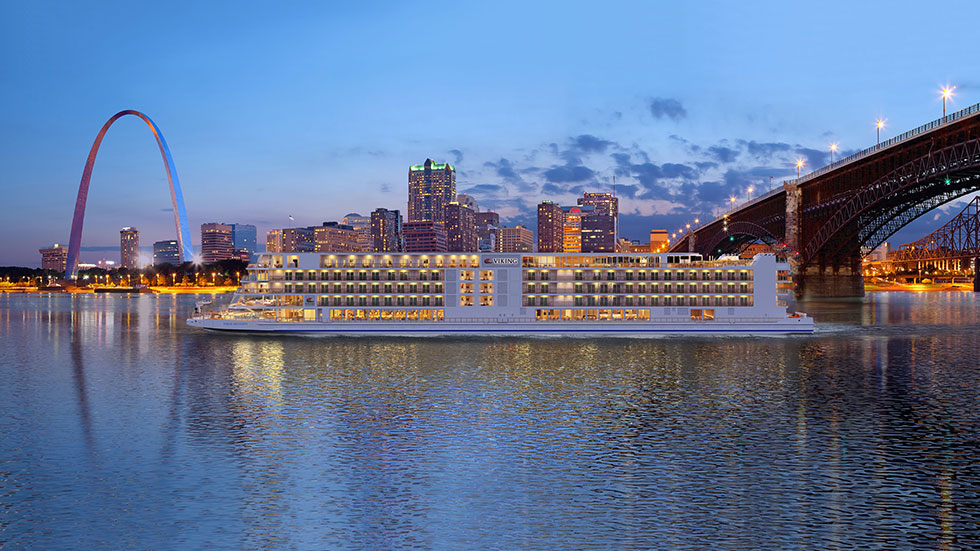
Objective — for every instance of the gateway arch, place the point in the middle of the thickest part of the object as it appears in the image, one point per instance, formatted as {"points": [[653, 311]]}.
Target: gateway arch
{"points": [[185, 249]]}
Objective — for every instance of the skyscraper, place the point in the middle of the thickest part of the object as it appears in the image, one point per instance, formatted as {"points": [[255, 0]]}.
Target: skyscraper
{"points": [[486, 230], [572, 229], [362, 225], [166, 252], [298, 240], [424, 237], [604, 204], [244, 238], [467, 201], [515, 240], [551, 227], [273, 241], [54, 258], [332, 237], [431, 186], [460, 229], [129, 248], [386, 231], [598, 233], [216, 242]]}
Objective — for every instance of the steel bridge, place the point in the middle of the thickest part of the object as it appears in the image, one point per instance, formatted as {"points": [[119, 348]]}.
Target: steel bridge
{"points": [[951, 246], [824, 219]]}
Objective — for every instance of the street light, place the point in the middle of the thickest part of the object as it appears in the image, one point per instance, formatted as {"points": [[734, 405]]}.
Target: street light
{"points": [[879, 124], [732, 200], [750, 191], [833, 148], [799, 165], [947, 93]]}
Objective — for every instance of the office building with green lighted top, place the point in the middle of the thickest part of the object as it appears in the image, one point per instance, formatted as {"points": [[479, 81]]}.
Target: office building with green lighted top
{"points": [[431, 187]]}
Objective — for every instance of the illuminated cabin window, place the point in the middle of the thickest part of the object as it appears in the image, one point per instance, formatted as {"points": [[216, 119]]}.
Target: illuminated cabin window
{"points": [[466, 275], [698, 314], [486, 287], [486, 300], [486, 275], [466, 300], [465, 287]]}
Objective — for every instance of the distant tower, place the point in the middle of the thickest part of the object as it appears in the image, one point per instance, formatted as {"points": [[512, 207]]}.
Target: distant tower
{"points": [[362, 225], [54, 258], [166, 252], [431, 186], [460, 228], [604, 205], [386, 231], [273, 241], [551, 227], [129, 248], [216, 243], [244, 238]]}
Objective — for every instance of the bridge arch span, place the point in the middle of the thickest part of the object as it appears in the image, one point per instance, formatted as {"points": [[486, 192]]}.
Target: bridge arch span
{"points": [[185, 249]]}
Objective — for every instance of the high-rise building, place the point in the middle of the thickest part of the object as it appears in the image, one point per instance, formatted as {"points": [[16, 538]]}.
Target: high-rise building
{"points": [[572, 229], [460, 229], [467, 201], [244, 238], [515, 240], [298, 240], [486, 230], [424, 237], [431, 186], [551, 227], [604, 204], [166, 252], [129, 248], [386, 231], [54, 258], [216, 242], [659, 239], [273, 241], [332, 237], [598, 233], [362, 225]]}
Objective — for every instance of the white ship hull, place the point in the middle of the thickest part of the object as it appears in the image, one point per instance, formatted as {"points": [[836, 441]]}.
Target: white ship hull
{"points": [[404, 329]]}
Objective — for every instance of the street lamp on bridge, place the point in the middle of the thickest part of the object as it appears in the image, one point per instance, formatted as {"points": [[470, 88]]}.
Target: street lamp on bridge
{"points": [[799, 165], [947, 93], [879, 124], [750, 190], [833, 147]]}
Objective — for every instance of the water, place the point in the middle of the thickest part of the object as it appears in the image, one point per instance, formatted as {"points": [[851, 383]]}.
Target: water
{"points": [[122, 428]]}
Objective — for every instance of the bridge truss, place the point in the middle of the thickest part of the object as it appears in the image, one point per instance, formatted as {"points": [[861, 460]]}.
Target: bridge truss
{"points": [[957, 239]]}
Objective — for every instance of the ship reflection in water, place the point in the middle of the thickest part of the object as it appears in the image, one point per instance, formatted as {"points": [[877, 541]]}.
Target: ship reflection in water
{"points": [[122, 428]]}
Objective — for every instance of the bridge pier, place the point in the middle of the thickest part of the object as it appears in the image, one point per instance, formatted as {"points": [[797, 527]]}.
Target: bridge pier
{"points": [[817, 283], [976, 275]]}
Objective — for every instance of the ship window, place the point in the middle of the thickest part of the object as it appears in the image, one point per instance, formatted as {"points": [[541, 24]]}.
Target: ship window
{"points": [[466, 275], [486, 300], [644, 315], [466, 300], [465, 287], [486, 275]]}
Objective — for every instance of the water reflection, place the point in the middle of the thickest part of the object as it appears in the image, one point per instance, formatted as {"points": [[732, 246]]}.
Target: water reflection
{"points": [[863, 435]]}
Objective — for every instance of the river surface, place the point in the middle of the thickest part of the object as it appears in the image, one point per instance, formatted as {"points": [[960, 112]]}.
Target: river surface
{"points": [[122, 428]]}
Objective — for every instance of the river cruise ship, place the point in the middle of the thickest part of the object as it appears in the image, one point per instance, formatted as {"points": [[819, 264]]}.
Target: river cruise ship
{"points": [[554, 294]]}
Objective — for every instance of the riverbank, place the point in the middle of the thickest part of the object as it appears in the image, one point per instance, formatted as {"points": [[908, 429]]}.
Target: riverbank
{"points": [[177, 290]]}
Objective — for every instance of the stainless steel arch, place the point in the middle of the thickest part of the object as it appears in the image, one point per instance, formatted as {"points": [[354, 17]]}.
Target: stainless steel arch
{"points": [[185, 249]]}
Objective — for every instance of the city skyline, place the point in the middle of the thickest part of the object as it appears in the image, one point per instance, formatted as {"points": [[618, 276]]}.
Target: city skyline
{"points": [[681, 126]]}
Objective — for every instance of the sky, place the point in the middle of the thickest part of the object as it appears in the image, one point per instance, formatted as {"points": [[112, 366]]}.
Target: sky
{"points": [[316, 110]]}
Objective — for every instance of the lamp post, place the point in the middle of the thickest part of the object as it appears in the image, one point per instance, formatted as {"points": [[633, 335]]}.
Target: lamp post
{"points": [[879, 124], [799, 165], [833, 148], [750, 192], [947, 93]]}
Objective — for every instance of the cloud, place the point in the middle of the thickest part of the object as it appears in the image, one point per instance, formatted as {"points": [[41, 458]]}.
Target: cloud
{"points": [[667, 107], [457, 156], [385, 188], [568, 173], [764, 151], [723, 154], [588, 143], [489, 189]]}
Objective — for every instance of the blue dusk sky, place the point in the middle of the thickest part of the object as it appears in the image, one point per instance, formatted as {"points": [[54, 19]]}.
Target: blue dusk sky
{"points": [[317, 110]]}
